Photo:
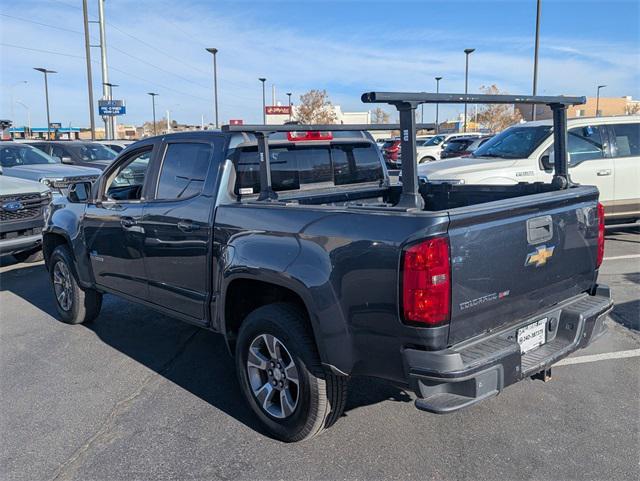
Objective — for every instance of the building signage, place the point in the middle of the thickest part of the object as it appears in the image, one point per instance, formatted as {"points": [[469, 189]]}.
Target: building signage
{"points": [[111, 107], [277, 110], [236, 121], [55, 125]]}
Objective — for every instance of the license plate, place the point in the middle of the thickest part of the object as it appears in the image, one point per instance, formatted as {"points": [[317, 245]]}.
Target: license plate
{"points": [[532, 336]]}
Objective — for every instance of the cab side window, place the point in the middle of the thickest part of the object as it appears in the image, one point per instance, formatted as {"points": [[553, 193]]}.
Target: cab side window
{"points": [[59, 152], [627, 140], [584, 143], [127, 181], [184, 170]]}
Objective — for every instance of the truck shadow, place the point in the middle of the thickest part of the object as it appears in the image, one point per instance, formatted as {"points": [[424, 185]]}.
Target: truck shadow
{"points": [[192, 358]]}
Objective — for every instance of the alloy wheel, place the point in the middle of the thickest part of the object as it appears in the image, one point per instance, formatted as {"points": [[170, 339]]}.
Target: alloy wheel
{"points": [[273, 376]]}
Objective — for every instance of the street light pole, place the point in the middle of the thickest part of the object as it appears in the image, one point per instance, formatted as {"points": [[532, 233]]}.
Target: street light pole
{"points": [[108, 122], [153, 104], [598, 99], [11, 87], [46, 96], [467, 52], [87, 48], [437, 105], [535, 58], [26, 107], [289, 95], [264, 112], [214, 51]]}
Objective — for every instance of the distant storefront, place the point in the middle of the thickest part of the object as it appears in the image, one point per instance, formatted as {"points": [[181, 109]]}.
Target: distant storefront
{"points": [[40, 133]]}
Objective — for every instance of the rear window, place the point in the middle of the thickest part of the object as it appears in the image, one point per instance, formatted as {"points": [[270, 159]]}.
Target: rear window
{"points": [[296, 167]]}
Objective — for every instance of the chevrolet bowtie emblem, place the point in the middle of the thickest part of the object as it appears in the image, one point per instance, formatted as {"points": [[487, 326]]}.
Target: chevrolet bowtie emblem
{"points": [[540, 256]]}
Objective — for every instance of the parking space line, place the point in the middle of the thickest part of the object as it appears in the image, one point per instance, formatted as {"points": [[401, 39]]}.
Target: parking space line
{"points": [[599, 357], [630, 256]]}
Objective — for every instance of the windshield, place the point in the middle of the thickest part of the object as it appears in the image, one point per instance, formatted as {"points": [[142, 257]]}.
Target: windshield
{"points": [[514, 143], [91, 152], [437, 140], [15, 155]]}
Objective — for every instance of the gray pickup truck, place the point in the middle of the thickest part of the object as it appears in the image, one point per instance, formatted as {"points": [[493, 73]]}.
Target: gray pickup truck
{"points": [[22, 206], [293, 244]]}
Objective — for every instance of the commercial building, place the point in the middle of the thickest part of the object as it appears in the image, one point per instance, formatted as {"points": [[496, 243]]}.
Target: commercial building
{"points": [[606, 106], [279, 114]]}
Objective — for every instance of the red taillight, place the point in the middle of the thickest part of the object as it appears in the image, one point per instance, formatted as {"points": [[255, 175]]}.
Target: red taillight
{"points": [[600, 234], [426, 283], [309, 135]]}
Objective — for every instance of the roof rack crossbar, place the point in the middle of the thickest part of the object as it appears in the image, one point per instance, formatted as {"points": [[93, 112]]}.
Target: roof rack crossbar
{"points": [[410, 100], [444, 98]]}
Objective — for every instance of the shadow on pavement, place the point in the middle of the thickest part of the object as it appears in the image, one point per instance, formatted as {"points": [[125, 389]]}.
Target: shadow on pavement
{"points": [[195, 359]]}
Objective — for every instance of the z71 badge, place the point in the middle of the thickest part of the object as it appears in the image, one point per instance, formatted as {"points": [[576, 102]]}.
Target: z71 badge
{"points": [[540, 256]]}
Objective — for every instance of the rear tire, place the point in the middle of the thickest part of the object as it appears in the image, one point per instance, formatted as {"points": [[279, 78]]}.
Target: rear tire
{"points": [[74, 304], [306, 398], [29, 256], [426, 159]]}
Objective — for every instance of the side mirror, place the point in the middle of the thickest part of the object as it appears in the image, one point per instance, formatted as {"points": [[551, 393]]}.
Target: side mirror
{"points": [[65, 159], [79, 192], [547, 161]]}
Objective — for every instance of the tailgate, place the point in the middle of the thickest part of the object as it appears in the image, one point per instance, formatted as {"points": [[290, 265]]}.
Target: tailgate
{"points": [[512, 258]]}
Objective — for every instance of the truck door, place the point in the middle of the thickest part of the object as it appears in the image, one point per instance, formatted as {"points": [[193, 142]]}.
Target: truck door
{"points": [[112, 229], [625, 149], [589, 160], [177, 223]]}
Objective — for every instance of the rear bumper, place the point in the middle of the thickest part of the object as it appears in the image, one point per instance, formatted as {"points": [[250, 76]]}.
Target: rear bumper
{"points": [[465, 374]]}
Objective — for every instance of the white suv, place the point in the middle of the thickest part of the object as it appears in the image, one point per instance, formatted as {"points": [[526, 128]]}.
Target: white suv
{"points": [[432, 149], [603, 151]]}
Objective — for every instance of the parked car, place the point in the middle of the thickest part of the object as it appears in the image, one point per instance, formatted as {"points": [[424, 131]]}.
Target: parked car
{"points": [[391, 153], [77, 152], [324, 270], [432, 149], [22, 205], [462, 146], [603, 151], [116, 145], [27, 162]]}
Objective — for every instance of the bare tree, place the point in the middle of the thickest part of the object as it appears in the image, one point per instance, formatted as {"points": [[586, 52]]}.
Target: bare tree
{"points": [[497, 117], [315, 108], [379, 116], [632, 109]]}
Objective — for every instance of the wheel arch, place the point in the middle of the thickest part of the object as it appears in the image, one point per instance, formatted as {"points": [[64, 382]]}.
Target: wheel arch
{"points": [[238, 298]]}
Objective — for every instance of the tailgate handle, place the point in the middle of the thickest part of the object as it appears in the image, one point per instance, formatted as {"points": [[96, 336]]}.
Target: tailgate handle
{"points": [[539, 229]]}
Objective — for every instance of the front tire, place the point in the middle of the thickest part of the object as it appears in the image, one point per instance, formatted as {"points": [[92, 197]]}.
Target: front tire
{"points": [[426, 159], [281, 375], [74, 304]]}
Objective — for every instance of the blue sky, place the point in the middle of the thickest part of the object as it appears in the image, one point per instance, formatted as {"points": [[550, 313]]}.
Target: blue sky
{"points": [[345, 47]]}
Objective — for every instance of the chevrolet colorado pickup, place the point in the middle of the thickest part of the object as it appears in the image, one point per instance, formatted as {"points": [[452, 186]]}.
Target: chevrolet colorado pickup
{"points": [[293, 244]]}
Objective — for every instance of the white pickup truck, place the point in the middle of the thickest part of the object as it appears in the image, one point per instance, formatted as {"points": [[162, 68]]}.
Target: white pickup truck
{"points": [[603, 151]]}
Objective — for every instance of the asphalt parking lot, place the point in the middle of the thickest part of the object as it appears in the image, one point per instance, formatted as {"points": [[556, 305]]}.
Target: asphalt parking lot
{"points": [[137, 395]]}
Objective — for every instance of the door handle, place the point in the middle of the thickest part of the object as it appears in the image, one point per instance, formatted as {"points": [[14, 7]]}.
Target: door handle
{"points": [[127, 222], [187, 226], [604, 172]]}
